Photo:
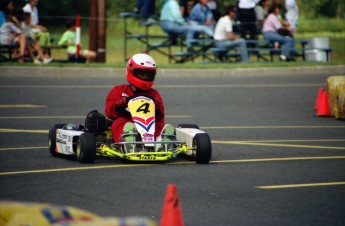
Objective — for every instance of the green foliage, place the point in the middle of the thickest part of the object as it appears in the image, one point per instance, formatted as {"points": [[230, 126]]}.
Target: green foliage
{"points": [[326, 8], [115, 7], [321, 24]]}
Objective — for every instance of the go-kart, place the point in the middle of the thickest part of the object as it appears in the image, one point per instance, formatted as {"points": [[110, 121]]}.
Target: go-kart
{"points": [[94, 138]]}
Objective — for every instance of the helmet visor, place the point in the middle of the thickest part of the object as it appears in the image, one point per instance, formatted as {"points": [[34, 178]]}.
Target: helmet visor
{"points": [[146, 75]]}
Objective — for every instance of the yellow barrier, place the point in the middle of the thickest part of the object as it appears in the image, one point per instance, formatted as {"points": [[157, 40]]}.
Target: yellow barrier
{"points": [[336, 95], [27, 213]]}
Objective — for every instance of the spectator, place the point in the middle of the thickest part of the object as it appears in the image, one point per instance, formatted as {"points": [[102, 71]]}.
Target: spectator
{"points": [[10, 34], [174, 24], [69, 39], [145, 8], [212, 4], [41, 33], [3, 8], [280, 17], [273, 31], [261, 11], [247, 17], [31, 42], [7, 8], [202, 15], [291, 15], [224, 36], [186, 6]]}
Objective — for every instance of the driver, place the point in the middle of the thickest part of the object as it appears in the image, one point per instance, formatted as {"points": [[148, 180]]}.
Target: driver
{"points": [[141, 71]]}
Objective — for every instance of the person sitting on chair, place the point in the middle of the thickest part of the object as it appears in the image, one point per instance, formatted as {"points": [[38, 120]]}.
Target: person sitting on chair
{"points": [[224, 36], [69, 39], [202, 15], [11, 34], [275, 31], [174, 24]]}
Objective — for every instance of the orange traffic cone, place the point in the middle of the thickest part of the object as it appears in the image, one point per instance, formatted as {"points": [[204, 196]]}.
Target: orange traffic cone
{"points": [[323, 106], [172, 214], [319, 93]]}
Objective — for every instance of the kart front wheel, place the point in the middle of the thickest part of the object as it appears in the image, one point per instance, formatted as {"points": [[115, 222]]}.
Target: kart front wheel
{"points": [[52, 139], [202, 148], [86, 148]]}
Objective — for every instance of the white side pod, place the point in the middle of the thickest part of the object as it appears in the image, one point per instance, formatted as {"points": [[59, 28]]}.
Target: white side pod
{"points": [[186, 135], [64, 141]]}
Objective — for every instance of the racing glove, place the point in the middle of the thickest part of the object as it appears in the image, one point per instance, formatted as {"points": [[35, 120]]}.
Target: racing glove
{"points": [[122, 102], [121, 105], [158, 112]]}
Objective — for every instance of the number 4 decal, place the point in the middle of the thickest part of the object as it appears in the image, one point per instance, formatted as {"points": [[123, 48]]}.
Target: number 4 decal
{"points": [[144, 108]]}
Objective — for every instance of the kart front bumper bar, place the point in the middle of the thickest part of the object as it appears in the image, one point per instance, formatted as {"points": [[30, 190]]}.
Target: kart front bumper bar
{"points": [[104, 150]]}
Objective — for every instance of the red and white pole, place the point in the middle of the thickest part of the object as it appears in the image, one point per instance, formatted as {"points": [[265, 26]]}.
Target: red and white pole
{"points": [[77, 24]]}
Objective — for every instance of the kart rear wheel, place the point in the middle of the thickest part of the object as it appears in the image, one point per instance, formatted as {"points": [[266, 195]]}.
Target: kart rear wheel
{"points": [[192, 126], [52, 139], [202, 148], [86, 148]]}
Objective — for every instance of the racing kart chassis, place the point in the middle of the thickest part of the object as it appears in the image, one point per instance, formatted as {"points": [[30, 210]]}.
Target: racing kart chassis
{"points": [[69, 139]]}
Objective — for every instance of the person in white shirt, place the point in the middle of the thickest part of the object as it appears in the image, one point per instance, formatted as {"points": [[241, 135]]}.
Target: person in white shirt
{"points": [[224, 36], [292, 14], [41, 33]]}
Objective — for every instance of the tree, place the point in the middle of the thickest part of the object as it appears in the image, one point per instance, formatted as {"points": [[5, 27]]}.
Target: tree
{"points": [[327, 8]]}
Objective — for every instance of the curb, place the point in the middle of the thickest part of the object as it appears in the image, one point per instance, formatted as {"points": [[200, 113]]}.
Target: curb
{"points": [[104, 72]]}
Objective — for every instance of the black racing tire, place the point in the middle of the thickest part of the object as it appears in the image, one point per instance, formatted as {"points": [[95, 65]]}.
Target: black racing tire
{"points": [[86, 148], [192, 126], [202, 148], [52, 139]]}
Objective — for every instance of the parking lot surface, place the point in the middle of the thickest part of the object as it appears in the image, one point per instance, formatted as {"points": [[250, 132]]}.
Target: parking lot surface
{"points": [[273, 162]]}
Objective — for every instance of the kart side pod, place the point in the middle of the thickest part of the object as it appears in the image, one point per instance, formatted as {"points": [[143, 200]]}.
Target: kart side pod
{"points": [[187, 136], [66, 141]]}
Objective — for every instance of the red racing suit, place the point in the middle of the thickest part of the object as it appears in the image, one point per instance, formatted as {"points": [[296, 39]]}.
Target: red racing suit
{"points": [[116, 104]]}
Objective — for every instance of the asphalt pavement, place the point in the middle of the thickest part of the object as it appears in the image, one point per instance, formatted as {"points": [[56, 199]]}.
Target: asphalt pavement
{"points": [[273, 162]]}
